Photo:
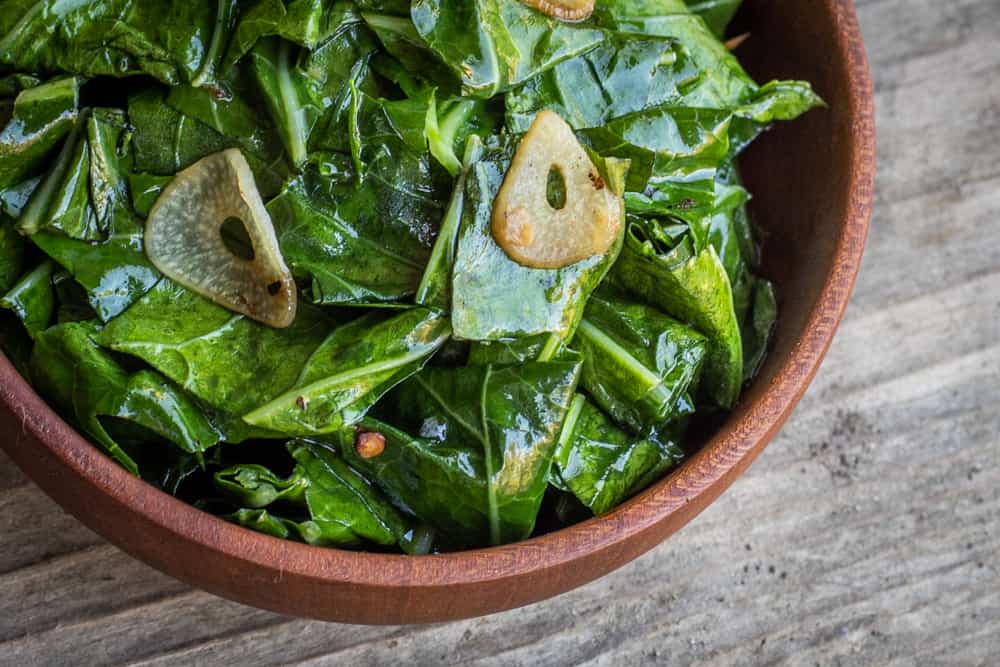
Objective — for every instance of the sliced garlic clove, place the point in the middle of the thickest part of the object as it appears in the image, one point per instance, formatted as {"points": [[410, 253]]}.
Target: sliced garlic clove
{"points": [[565, 10], [184, 240], [530, 230]]}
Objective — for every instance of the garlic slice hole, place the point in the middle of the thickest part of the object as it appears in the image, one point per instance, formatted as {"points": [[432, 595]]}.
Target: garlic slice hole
{"points": [[209, 231], [554, 208], [234, 235]]}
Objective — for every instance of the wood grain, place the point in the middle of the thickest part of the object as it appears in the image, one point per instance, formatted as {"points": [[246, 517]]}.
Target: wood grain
{"points": [[878, 505]]}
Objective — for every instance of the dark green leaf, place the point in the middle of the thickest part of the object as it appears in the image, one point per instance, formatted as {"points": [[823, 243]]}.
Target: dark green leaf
{"points": [[33, 299], [474, 447], [310, 378], [70, 369], [494, 45], [693, 287], [639, 365], [41, 117], [80, 216], [338, 506], [166, 141], [758, 325], [13, 255], [175, 41], [352, 369], [363, 232], [603, 465], [435, 286], [717, 13]]}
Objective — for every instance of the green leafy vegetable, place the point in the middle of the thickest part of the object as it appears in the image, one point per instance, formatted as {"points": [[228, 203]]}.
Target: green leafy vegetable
{"points": [[639, 365], [174, 41], [494, 45], [313, 377], [81, 217], [362, 228], [33, 299], [323, 502], [692, 287], [603, 465], [70, 369], [472, 448], [40, 117]]}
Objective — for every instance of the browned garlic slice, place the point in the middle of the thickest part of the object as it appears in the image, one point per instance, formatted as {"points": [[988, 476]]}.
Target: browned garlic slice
{"points": [[565, 10], [531, 231], [184, 240]]}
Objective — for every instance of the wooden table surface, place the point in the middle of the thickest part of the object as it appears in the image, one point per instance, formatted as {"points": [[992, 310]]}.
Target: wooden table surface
{"points": [[867, 533]]}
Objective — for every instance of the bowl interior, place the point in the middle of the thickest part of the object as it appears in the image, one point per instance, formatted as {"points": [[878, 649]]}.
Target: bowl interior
{"points": [[812, 184]]}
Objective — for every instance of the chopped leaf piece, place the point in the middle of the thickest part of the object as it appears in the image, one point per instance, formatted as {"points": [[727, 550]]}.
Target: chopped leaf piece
{"points": [[185, 240]]}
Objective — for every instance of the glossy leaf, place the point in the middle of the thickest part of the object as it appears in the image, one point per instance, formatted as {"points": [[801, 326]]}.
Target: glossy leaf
{"points": [[717, 13], [81, 217], [639, 365], [13, 255], [70, 369], [173, 40], [33, 299], [494, 297], [758, 326], [494, 45], [324, 502], [603, 465], [166, 141], [313, 377], [471, 447], [352, 369], [694, 288], [40, 118], [362, 228]]}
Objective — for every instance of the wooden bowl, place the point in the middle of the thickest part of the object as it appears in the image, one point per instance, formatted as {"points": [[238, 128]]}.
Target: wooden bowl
{"points": [[813, 184]]}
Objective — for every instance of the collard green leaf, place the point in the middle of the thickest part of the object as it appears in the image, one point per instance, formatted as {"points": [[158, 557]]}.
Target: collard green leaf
{"points": [[625, 74], [352, 369], [230, 362], [363, 228], [758, 326], [639, 365], [717, 13], [434, 290], [40, 118], [472, 447], [175, 41], [603, 465], [722, 82], [313, 377], [254, 486], [324, 502], [694, 288], [13, 255], [494, 45], [84, 381], [15, 198], [664, 145], [312, 91], [81, 217], [234, 113], [33, 299], [411, 62], [494, 297], [166, 141]]}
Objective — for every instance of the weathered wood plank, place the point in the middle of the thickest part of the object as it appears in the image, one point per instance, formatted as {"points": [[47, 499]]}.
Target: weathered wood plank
{"points": [[866, 534]]}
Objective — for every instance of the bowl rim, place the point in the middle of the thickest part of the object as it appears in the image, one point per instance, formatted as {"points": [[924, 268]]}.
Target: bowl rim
{"points": [[678, 497]]}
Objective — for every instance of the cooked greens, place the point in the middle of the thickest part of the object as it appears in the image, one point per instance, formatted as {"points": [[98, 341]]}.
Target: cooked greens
{"points": [[451, 357]]}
